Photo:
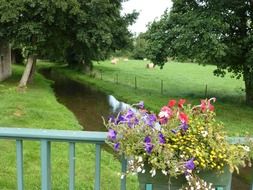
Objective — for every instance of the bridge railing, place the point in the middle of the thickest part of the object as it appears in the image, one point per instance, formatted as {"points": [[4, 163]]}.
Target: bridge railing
{"points": [[46, 137], [72, 137]]}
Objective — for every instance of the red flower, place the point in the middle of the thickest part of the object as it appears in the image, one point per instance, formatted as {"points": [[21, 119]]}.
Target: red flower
{"points": [[203, 105], [172, 103], [181, 103], [206, 104], [183, 117]]}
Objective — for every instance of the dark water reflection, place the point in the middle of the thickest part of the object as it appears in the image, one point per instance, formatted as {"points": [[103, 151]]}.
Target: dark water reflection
{"points": [[89, 106]]}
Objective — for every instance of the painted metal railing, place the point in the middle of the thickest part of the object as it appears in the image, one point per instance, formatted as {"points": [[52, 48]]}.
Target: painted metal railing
{"points": [[72, 137], [46, 137]]}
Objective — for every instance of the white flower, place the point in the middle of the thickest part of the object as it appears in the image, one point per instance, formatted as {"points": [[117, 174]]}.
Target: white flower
{"points": [[163, 114], [164, 172], [246, 148], [140, 159], [187, 177], [153, 172], [204, 133], [143, 171], [130, 162], [157, 126], [139, 169]]}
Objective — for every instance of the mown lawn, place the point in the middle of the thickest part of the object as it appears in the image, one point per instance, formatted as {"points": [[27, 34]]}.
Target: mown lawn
{"points": [[37, 107], [180, 80]]}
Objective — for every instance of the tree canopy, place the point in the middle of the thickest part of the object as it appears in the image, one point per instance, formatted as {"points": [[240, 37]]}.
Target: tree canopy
{"points": [[207, 31], [80, 31]]}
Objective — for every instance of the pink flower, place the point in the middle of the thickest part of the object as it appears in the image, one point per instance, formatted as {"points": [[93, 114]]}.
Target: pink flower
{"points": [[183, 117], [206, 104], [164, 114]]}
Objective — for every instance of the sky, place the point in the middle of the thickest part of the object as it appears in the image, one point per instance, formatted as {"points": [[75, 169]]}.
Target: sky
{"points": [[148, 9]]}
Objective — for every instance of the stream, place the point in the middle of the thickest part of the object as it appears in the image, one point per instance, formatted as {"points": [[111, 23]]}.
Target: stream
{"points": [[89, 106]]}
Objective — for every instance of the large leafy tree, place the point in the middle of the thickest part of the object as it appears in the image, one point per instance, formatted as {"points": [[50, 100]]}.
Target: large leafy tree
{"points": [[207, 31], [96, 31], [87, 30], [34, 25]]}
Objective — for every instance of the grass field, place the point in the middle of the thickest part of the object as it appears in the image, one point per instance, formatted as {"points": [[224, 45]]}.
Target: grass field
{"points": [[36, 107], [180, 80]]}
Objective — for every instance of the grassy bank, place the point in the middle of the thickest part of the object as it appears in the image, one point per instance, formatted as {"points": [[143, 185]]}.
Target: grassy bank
{"points": [[179, 81], [37, 107]]}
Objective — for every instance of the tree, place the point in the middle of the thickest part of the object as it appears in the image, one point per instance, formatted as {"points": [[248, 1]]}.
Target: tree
{"points": [[96, 31], [140, 45], [87, 29], [208, 31], [32, 24]]}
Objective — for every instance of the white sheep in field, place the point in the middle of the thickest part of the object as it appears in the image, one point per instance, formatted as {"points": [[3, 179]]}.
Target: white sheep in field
{"points": [[114, 61], [150, 65]]}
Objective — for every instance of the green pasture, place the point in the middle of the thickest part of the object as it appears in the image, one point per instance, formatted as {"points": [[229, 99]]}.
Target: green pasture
{"points": [[176, 80]]}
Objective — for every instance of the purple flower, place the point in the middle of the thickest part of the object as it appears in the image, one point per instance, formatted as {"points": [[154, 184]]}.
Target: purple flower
{"points": [[174, 131], [112, 134], [151, 119], [161, 138], [140, 105], [111, 119], [129, 114], [190, 164], [116, 146], [148, 145], [120, 119], [132, 122], [147, 139], [184, 127]]}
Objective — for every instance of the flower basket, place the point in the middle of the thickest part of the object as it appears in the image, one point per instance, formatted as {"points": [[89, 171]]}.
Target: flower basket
{"points": [[162, 182], [182, 141]]}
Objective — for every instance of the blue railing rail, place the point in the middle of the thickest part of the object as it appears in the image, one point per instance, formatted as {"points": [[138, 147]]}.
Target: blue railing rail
{"points": [[46, 137], [72, 137]]}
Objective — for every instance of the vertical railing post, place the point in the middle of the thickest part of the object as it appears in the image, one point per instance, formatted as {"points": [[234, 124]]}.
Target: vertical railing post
{"points": [[123, 172], [149, 187], [45, 165], [20, 172], [98, 164], [71, 166]]}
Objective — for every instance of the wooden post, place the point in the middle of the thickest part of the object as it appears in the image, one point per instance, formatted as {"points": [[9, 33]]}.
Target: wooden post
{"points": [[206, 91], [162, 87]]}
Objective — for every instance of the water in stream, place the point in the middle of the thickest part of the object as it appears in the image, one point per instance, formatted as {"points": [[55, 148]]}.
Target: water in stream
{"points": [[89, 106]]}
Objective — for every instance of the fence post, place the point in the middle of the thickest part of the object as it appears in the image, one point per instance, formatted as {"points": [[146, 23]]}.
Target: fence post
{"points": [[135, 82], [206, 91], [162, 87]]}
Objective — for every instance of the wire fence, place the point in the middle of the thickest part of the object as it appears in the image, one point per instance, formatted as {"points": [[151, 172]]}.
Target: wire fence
{"points": [[166, 87]]}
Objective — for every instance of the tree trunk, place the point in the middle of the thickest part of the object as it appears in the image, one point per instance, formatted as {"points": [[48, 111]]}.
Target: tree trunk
{"points": [[28, 71], [32, 73], [248, 78]]}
